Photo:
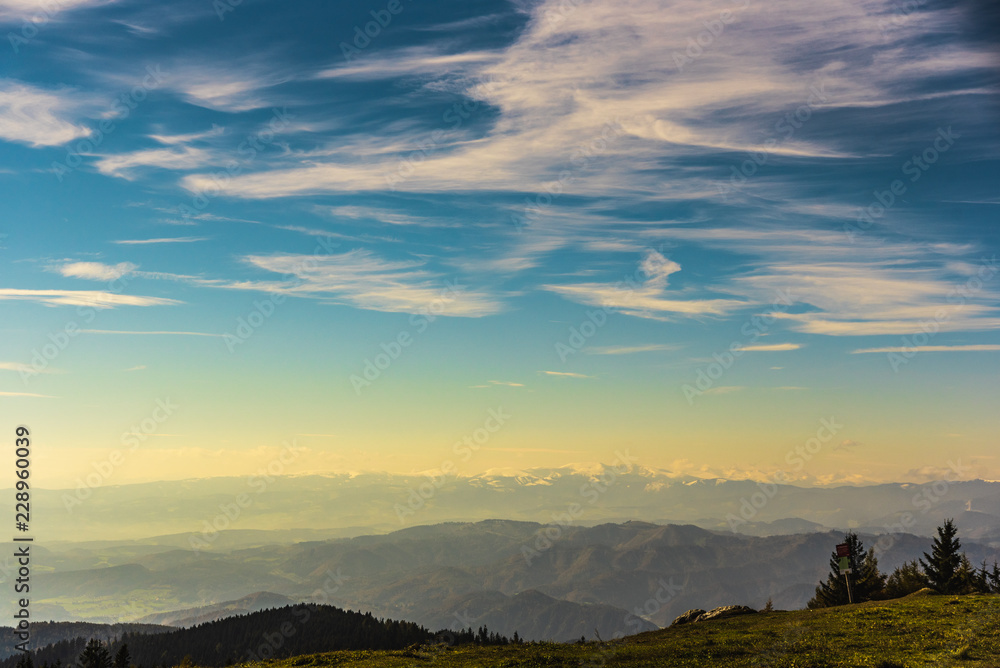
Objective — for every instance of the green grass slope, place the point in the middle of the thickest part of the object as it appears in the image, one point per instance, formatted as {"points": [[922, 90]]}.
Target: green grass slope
{"points": [[910, 632]]}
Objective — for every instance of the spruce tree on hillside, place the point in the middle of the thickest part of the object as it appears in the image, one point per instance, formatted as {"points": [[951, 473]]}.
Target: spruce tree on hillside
{"points": [[945, 560], [122, 657], [906, 579], [867, 582], [981, 579], [95, 655]]}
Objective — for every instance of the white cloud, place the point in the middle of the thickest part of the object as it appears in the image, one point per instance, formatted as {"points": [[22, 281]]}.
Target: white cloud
{"points": [[976, 347], [565, 374], [644, 297], [38, 117], [171, 140], [96, 271], [92, 298], [21, 368], [629, 350], [148, 333], [162, 240], [771, 347], [725, 389], [26, 394], [573, 73], [362, 279], [868, 286], [497, 383], [412, 61], [240, 86], [49, 10], [124, 165]]}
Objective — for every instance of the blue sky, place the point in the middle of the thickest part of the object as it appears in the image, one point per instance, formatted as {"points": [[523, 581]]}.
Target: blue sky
{"points": [[574, 210]]}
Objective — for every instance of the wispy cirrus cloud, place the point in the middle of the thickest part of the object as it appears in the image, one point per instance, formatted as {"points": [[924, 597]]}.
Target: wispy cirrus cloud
{"points": [[572, 72], [363, 279], [565, 374], [496, 383], [237, 87], [96, 271], [148, 333], [22, 368], [968, 348], [857, 299], [25, 9], [645, 299], [868, 286], [92, 298], [410, 61], [126, 165], [161, 240], [770, 347], [630, 350]]}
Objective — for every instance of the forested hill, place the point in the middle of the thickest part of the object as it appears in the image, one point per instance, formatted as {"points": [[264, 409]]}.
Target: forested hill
{"points": [[281, 632], [47, 633]]}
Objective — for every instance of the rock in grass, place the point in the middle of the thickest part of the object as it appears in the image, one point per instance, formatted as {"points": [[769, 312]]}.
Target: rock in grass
{"points": [[724, 612], [689, 616]]}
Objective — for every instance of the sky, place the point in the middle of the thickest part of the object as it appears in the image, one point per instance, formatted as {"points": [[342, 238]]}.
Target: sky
{"points": [[709, 233]]}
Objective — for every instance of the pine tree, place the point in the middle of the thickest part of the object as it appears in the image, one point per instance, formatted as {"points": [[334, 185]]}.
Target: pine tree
{"points": [[994, 578], [945, 560], [122, 658], [906, 579], [981, 579], [25, 661], [965, 581], [867, 582], [95, 655]]}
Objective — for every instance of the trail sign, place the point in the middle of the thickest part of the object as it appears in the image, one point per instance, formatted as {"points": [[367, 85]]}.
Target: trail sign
{"points": [[843, 550], [845, 565]]}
